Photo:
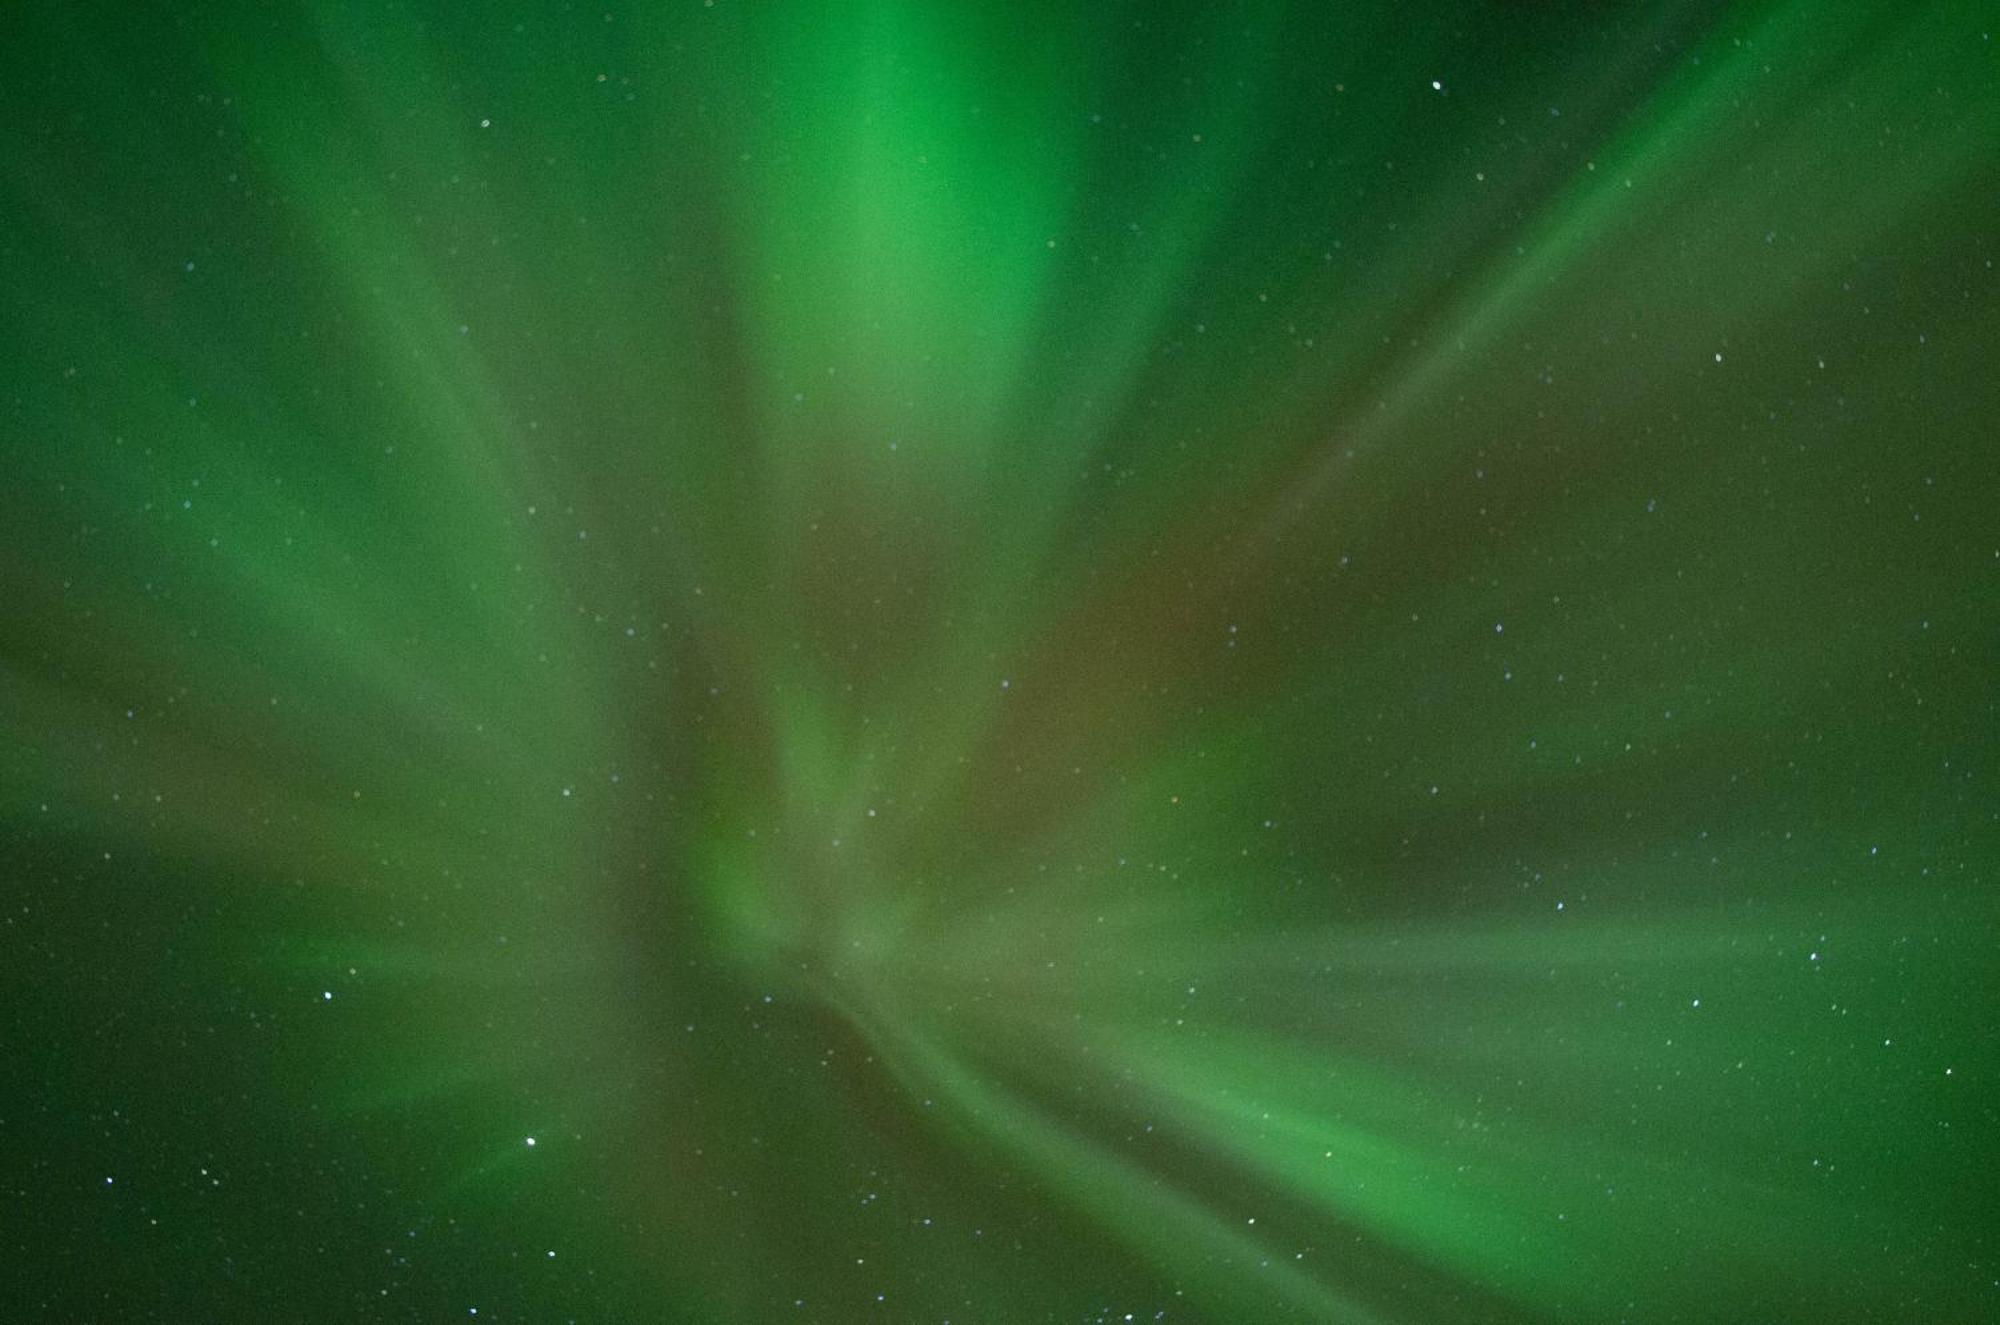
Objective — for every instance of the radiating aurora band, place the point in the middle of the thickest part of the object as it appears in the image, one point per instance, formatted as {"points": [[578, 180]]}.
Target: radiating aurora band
{"points": [[1000, 663]]}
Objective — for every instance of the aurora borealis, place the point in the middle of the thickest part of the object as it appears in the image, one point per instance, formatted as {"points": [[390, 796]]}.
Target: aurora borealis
{"points": [[909, 662]]}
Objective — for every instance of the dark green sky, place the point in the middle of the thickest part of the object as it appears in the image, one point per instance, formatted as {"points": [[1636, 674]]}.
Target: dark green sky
{"points": [[903, 662]]}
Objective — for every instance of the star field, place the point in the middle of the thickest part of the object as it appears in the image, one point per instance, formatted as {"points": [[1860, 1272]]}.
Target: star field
{"points": [[894, 662]]}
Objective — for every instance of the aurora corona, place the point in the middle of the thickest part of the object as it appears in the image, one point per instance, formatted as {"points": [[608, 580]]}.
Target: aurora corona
{"points": [[920, 662]]}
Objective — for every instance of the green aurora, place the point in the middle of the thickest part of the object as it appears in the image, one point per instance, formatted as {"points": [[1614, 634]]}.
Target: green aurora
{"points": [[906, 662]]}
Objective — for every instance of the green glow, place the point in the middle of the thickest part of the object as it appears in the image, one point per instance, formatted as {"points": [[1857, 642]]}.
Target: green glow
{"points": [[1228, 663]]}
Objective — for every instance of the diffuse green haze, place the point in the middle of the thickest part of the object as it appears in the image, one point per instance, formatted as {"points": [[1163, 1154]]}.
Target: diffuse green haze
{"points": [[937, 662]]}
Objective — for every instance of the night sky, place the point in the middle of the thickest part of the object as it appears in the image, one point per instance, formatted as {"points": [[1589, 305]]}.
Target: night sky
{"points": [[912, 661]]}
